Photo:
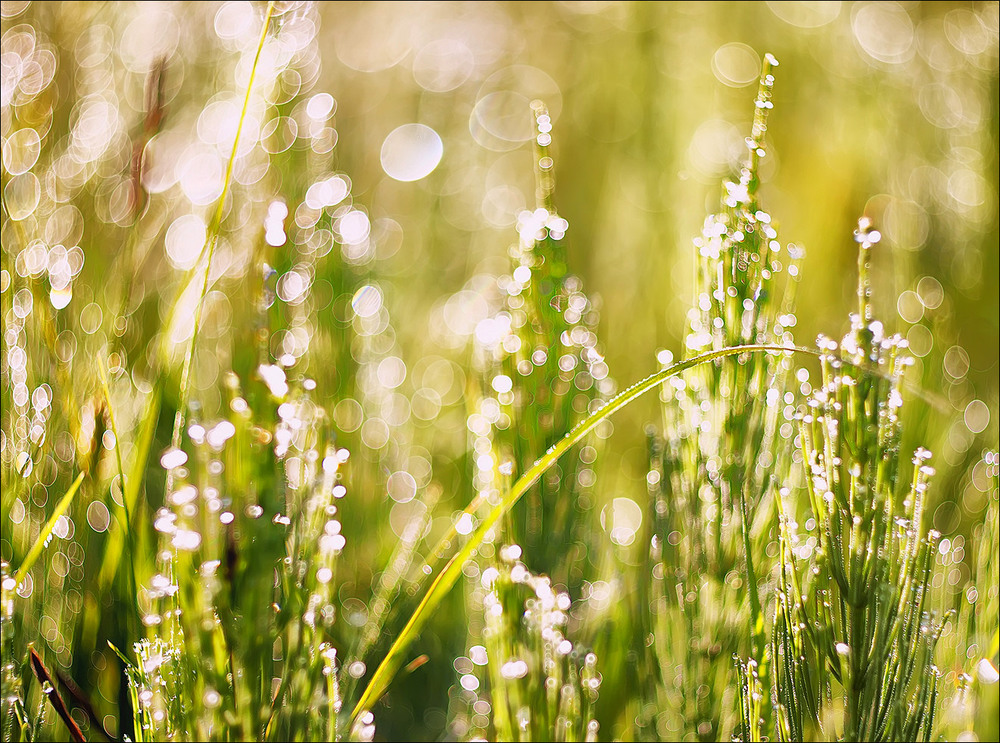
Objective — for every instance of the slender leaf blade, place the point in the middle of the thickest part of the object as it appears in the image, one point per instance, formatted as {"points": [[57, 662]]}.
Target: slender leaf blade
{"points": [[46, 532]]}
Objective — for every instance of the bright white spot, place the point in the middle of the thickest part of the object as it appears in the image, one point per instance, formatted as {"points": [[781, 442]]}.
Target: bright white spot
{"points": [[469, 682], [320, 106], [490, 331], [514, 669], [212, 699], [510, 552], [60, 297], [274, 378], [220, 433], [988, 673], [354, 227], [477, 653], [411, 152], [367, 301], [151, 663], [186, 540], [172, 458], [489, 576], [183, 495], [464, 524], [622, 519], [502, 383]]}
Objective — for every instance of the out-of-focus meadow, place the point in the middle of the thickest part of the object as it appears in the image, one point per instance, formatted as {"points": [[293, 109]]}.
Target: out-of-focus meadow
{"points": [[271, 375]]}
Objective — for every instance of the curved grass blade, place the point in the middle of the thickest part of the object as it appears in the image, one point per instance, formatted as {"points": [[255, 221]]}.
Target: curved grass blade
{"points": [[46, 532], [448, 575]]}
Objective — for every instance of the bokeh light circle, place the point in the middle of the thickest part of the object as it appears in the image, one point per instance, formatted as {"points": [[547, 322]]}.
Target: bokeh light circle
{"points": [[411, 152]]}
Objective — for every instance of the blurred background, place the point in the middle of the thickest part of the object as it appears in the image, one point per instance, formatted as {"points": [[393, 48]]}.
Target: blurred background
{"points": [[883, 109], [415, 119]]}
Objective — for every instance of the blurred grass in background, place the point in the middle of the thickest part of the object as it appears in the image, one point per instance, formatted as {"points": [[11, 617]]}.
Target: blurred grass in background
{"points": [[392, 141]]}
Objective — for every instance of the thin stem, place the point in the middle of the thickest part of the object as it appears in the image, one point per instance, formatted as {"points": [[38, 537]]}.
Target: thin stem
{"points": [[212, 241]]}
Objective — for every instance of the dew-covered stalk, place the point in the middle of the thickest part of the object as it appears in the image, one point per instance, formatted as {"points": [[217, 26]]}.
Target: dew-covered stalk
{"points": [[542, 371], [541, 685], [719, 454], [12, 717], [853, 639]]}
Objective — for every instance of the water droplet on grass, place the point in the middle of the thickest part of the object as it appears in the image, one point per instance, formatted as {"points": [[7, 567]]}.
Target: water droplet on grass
{"points": [[173, 458]]}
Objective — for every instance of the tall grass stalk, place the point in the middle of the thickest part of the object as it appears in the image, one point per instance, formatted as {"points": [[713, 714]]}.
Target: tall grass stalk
{"points": [[542, 371], [212, 241], [717, 459]]}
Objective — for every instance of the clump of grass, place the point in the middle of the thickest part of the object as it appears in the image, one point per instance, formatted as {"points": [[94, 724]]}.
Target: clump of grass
{"points": [[543, 372], [228, 654], [536, 683], [853, 638], [255, 492], [716, 461]]}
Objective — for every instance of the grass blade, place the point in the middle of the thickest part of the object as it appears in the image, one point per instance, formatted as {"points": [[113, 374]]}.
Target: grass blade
{"points": [[449, 574], [126, 518], [132, 485], [43, 536], [50, 690], [212, 240]]}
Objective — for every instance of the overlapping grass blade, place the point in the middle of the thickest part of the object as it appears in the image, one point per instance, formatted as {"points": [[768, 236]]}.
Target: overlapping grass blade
{"points": [[212, 240], [449, 574]]}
